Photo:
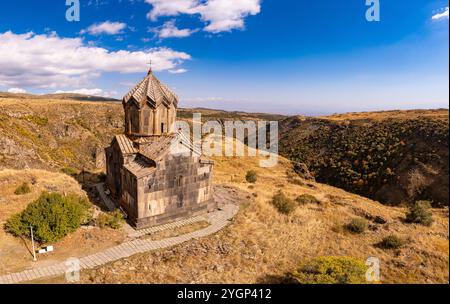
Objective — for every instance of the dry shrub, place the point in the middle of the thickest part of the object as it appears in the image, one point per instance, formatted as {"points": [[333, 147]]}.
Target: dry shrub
{"points": [[23, 189], [283, 203], [417, 182], [391, 242], [251, 176], [420, 213], [307, 199], [357, 225], [112, 220]]}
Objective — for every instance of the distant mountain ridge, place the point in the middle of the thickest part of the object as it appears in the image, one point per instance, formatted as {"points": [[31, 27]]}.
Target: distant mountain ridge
{"points": [[61, 96]]}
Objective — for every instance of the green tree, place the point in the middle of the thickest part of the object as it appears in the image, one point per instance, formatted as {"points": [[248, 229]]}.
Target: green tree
{"points": [[52, 217]]}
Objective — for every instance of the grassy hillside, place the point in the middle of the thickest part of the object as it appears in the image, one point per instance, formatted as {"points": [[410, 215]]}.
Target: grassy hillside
{"points": [[220, 115], [41, 133], [393, 157], [57, 133], [262, 245], [60, 96]]}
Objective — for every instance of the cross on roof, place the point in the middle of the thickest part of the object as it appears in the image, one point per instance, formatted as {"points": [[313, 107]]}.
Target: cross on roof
{"points": [[150, 64]]}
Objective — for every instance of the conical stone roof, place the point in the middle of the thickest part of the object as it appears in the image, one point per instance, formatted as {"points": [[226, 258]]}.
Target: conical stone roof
{"points": [[152, 91]]}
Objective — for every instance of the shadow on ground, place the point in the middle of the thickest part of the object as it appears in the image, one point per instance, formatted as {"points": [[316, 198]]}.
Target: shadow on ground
{"points": [[88, 179]]}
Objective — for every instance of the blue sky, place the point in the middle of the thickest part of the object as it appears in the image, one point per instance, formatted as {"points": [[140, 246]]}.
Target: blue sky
{"points": [[279, 56]]}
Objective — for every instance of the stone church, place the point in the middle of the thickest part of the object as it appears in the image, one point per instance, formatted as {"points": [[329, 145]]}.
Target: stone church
{"points": [[151, 183]]}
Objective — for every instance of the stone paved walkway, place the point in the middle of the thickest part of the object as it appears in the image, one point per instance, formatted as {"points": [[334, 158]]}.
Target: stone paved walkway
{"points": [[133, 233], [218, 220]]}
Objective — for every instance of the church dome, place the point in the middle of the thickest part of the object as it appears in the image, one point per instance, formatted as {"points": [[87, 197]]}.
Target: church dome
{"points": [[152, 91]]}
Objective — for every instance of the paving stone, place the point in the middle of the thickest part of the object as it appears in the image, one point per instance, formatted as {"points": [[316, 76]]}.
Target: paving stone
{"points": [[84, 263], [90, 261], [61, 268], [97, 260], [15, 277], [40, 273], [27, 275], [33, 275]]}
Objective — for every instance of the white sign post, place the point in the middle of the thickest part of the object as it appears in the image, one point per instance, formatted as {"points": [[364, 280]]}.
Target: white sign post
{"points": [[32, 243]]}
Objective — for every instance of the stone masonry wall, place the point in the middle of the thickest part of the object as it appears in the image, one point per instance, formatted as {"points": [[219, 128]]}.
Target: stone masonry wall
{"points": [[180, 187]]}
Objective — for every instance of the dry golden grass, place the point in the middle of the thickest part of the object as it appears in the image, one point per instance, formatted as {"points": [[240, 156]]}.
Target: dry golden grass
{"points": [[261, 245], [47, 133], [309, 231], [39, 180]]}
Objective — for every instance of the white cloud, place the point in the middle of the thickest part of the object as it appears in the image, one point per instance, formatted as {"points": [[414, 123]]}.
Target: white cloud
{"points": [[107, 27], [169, 30], [220, 15], [225, 15], [49, 61], [443, 15], [90, 92], [178, 71], [171, 8], [16, 91]]}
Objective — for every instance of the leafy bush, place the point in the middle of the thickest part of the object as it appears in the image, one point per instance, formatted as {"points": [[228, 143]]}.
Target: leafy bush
{"points": [[112, 219], [15, 225], [52, 217], [420, 213], [251, 176], [331, 270], [23, 189], [357, 225], [391, 242], [307, 199], [283, 203]]}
